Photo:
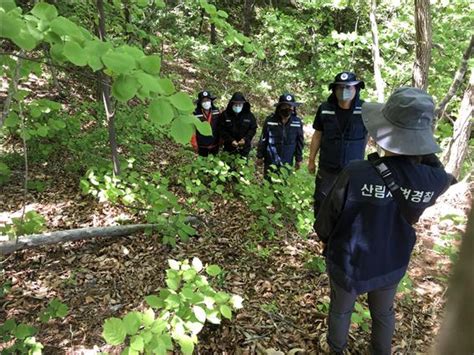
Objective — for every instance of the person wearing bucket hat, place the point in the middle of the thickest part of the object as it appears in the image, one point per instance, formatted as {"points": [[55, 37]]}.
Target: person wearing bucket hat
{"points": [[366, 222], [237, 126], [206, 111], [282, 138], [339, 136]]}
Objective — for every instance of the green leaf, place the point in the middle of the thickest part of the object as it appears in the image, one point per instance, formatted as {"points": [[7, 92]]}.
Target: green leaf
{"points": [[23, 331], [133, 52], [151, 64], [187, 345], [181, 132], [114, 331], [160, 112], [199, 313], [94, 51], [148, 82], [63, 27], [44, 11], [120, 63], [158, 326], [125, 87], [62, 310], [182, 101], [173, 283], [12, 120], [7, 5], [75, 54], [203, 127], [42, 131], [167, 86], [137, 343], [154, 301], [148, 317], [222, 14], [226, 311], [57, 52], [172, 301], [213, 270], [132, 322], [11, 25]]}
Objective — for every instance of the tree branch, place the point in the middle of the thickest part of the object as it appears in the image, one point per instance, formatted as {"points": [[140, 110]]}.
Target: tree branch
{"points": [[458, 78]]}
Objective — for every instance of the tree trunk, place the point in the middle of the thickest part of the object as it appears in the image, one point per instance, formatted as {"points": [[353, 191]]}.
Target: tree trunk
{"points": [[459, 144], [455, 336], [458, 78], [11, 91], [106, 97], [213, 34], [37, 240], [423, 44], [379, 83], [248, 17]]}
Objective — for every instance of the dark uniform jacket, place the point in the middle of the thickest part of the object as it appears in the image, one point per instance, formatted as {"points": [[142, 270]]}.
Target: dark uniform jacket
{"points": [[281, 143], [234, 127], [369, 242], [340, 146], [208, 141]]}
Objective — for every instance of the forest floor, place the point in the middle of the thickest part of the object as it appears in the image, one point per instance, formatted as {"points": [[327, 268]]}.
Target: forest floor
{"points": [[285, 302]]}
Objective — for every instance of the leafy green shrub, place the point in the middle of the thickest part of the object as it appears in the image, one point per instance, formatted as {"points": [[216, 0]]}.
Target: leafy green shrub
{"points": [[149, 193], [22, 336], [316, 263], [55, 309], [183, 309], [32, 223], [361, 316], [5, 173]]}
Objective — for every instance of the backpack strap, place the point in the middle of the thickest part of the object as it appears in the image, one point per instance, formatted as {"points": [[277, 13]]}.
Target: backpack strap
{"points": [[387, 176]]}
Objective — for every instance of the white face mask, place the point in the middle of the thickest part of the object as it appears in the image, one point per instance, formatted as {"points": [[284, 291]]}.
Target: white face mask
{"points": [[206, 105], [237, 108]]}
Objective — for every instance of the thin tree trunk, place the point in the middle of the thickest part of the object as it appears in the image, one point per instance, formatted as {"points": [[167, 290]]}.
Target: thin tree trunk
{"points": [[201, 23], [247, 17], [455, 336], [459, 144], [458, 78], [379, 83], [423, 44], [106, 97], [11, 91], [213, 34]]}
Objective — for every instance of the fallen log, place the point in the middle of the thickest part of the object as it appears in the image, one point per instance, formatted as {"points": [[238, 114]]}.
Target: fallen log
{"points": [[36, 240]]}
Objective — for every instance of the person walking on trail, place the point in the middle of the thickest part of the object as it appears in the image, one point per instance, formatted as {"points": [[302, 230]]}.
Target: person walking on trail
{"points": [[206, 111], [366, 222], [237, 126], [282, 139], [339, 136]]}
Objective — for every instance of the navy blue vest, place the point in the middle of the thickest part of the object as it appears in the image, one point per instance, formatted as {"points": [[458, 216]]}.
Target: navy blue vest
{"points": [[282, 140], [340, 147], [371, 243]]}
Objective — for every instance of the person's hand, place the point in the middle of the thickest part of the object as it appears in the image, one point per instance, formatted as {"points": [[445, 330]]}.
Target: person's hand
{"points": [[235, 143], [259, 161], [297, 165], [311, 167], [241, 142]]}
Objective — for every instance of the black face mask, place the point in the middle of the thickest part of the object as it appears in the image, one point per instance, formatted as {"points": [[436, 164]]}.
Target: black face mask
{"points": [[286, 112]]}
